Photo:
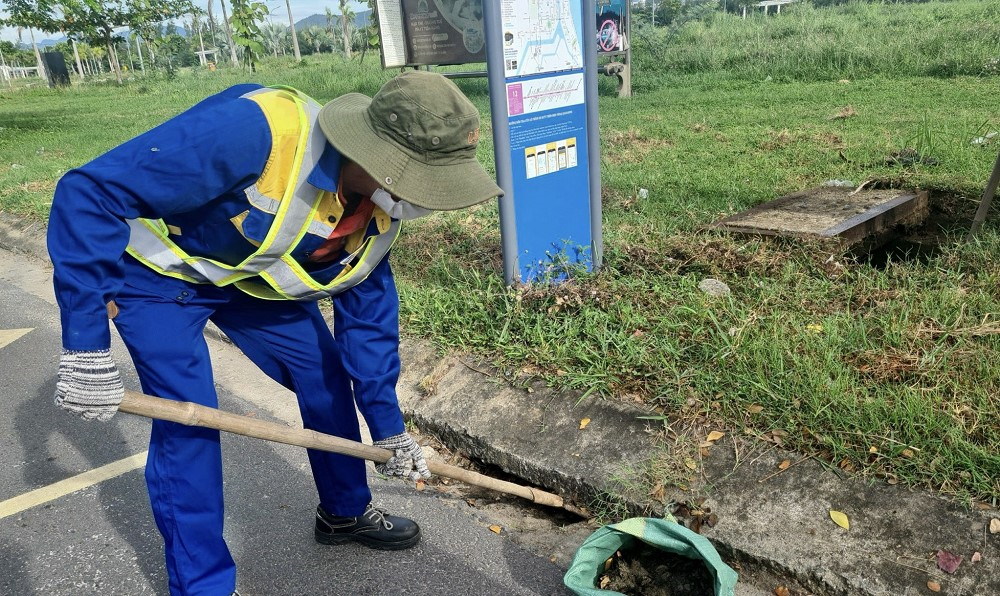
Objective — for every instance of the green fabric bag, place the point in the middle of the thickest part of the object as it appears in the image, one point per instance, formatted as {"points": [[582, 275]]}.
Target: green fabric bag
{"points": [[665, 534]]}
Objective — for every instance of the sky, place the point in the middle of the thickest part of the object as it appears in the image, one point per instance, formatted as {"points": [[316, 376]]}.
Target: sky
{"points": [[279, 12]]}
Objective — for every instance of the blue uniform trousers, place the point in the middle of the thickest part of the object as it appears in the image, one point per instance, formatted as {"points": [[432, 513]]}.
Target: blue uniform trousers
{"points": [[162, 326]]}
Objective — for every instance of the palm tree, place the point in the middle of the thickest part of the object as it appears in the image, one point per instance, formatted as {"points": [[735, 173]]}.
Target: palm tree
{"points": [[317, 37], [346, 26], [229, 34], [275, 37], [295, 37]]}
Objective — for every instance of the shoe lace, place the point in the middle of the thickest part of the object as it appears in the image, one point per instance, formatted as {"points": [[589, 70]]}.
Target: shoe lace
{"points": [[374, 514]]}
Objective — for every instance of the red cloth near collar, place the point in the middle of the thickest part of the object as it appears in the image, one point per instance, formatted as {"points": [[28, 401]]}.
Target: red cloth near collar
{"points": [[345, 227]]}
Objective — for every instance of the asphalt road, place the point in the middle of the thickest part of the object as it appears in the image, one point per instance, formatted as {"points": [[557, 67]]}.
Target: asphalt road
{"points": [[75, 519]]}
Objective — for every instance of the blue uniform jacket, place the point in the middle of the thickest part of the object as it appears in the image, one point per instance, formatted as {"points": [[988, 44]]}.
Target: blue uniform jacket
{"points": [[191, 171]]}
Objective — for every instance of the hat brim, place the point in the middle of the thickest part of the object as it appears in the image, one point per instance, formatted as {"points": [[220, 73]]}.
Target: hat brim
{"points": [[344, 122]]}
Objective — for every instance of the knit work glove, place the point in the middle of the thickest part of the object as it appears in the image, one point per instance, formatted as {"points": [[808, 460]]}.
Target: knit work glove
{"points": [[408, 461], [89, 385]]}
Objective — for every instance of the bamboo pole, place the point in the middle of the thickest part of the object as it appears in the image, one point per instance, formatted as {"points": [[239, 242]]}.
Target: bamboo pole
{"points": [[197, 415]]}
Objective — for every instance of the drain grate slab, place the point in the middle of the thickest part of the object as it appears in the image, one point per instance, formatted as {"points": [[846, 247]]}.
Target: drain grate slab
{"points": [[832, 212]]}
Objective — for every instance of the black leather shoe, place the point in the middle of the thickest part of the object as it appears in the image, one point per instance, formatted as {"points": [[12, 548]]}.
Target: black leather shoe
{"points": [[374, 529]]}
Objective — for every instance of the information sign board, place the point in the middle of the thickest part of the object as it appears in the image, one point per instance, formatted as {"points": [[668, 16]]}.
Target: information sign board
{"points": [[419, 32], [544, 117]]}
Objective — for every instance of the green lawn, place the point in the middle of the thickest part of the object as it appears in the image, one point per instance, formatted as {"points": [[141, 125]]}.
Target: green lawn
{"points": [[890, 371]]}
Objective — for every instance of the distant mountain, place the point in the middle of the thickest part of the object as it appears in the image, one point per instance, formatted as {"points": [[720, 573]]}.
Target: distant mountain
{"points": [[319, 20]]}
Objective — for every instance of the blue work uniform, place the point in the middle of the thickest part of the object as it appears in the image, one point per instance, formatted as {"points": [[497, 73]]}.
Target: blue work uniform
{"points": [[192, 172]]}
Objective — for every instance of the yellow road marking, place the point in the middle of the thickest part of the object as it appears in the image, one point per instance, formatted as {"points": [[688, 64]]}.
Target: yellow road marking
{"points": [[9, 336], [70, 485]]}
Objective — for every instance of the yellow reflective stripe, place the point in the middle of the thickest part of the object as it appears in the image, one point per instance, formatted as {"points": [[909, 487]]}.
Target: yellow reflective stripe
{"points": [[150, 244], [293, 282], [284, 234]]}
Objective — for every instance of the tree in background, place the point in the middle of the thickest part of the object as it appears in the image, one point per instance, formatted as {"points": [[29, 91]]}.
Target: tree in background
{"points": [[229, 34], [318, 38], [346, 25], [275, 37], [247, 16], [31, 15], [95, 21], [370, 31], [295, 36]]}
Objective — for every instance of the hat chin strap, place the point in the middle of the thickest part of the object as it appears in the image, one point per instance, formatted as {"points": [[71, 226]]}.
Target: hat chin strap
{"points": [[397, 209]]}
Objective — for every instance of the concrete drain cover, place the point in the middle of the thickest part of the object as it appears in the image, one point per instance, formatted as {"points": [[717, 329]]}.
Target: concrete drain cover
{"points": [[833, 212]]}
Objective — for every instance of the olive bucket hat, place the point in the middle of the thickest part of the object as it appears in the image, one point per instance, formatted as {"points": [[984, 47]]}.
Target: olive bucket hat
{"points": [[417, 137]]}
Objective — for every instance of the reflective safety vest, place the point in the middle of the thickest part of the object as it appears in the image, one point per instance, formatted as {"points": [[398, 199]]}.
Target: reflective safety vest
{"points": [[282, 190]]}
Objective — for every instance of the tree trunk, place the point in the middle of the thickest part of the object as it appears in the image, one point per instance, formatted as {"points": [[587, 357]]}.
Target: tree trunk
{"points": [[38, 55], [6, 73], [229, 34], [211, 24], [345, 33], [295, 37], [138, 49], [76, 54], [113, 60], [202, 57]]}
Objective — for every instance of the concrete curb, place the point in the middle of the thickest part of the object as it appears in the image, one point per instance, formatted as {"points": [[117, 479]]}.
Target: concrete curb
{"points": [[773, 525]]}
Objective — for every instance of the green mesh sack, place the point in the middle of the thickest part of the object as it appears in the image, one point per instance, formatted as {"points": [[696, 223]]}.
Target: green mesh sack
{"points": [[665, 534]]}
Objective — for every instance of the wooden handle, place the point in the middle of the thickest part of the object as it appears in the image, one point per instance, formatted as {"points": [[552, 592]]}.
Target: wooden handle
{"points": [[196, 415]]}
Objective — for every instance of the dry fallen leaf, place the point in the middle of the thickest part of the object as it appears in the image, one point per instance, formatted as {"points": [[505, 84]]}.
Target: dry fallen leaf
{"points": [[421, 485], [907, 453], [840, 519], [755, 409], [714, 436], [995, 526], [496, 529], [781, 591], [784, 464], [584, 423], [690, 463], [976, 557], [933, 586], [948, 562]]}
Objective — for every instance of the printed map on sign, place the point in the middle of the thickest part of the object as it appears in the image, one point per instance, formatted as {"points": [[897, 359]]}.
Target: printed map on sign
{"points": [[541, 36]]}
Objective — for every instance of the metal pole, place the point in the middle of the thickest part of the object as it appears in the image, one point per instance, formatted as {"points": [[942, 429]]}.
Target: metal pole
{"points": [[492, 21], [593, 130]]}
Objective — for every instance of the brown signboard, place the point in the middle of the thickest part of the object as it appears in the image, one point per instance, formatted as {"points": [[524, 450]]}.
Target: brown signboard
{"points": [[418, 32]]}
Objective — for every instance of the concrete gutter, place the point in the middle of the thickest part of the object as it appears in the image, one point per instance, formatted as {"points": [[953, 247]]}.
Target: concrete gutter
{"points": [[773, 524]]}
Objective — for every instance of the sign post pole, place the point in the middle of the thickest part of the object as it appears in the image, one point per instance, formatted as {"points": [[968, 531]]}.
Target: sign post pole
{"points": [[492, 23]]}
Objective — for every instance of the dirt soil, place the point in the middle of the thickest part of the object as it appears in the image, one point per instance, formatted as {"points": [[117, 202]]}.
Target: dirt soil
{"points": [[648, 571]]}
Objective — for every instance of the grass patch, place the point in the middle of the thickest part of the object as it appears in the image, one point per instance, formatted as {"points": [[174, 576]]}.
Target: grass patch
{"points": [[889, 370]]}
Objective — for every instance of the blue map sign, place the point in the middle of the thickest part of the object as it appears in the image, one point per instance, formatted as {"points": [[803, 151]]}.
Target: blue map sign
{"points": [[547, 167]]}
